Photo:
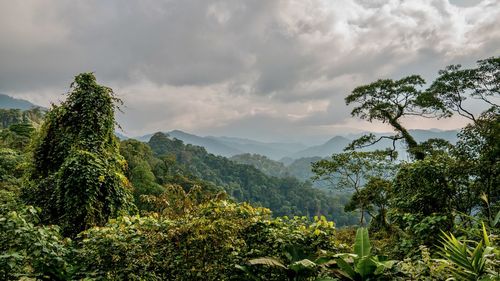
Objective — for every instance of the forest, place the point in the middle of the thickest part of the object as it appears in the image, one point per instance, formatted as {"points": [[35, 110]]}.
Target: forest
{"points": [[79, 204]]}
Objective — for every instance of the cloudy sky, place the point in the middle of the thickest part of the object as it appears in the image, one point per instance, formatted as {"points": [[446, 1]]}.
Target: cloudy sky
{"points": [[266, 69]]}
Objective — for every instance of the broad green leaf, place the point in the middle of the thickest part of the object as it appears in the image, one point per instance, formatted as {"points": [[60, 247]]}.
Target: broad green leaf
{"points": [[362, 246], [366, 266], [346, 269]]}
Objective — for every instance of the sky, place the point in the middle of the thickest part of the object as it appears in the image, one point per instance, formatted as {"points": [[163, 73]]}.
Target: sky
{"points": [[269, 70]]}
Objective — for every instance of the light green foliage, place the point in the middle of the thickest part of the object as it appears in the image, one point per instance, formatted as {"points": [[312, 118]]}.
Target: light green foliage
{"points": [[12, 166], [423, 268], [298, 268], [140, 165], [77, 169], [471, 263], [207, 244]]}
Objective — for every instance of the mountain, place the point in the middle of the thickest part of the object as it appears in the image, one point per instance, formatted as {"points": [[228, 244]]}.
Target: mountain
{"points": [[211, 145], [230, 146], [8, 102], [121, 136], [274, 150], [288, 152], [334, 145]]}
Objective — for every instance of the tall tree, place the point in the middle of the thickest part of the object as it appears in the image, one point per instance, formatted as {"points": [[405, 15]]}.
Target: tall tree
{"points": [[389, 101], [77, 170]]}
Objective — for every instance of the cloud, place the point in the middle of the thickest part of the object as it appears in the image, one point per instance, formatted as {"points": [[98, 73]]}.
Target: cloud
{"points": [[221, 65]]}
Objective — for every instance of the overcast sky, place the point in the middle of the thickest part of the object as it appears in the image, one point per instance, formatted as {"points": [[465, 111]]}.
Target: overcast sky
{"points": [[269, 70]]}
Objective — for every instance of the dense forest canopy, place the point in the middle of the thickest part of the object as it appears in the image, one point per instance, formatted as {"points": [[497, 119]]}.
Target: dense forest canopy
{"points": [[77, 204]]}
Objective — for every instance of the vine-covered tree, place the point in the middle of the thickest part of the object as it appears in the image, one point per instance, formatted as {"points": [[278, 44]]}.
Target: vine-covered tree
{"points": [[77, 170]]}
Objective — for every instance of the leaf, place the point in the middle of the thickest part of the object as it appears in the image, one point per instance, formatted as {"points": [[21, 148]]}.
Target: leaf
{"points": [[485, 236], [301, 265], [346, 269], [496, 220], [362, 246], [366, 266], [266, 261]]}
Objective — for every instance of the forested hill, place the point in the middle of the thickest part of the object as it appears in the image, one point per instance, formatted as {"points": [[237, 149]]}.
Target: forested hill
{"points": [[8, 102], [284, 196]]}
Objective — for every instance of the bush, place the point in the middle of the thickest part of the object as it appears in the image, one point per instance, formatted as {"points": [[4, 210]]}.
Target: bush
{"points": [[206, 244]]}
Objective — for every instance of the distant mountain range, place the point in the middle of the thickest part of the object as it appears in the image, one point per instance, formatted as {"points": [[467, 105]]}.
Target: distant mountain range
{"points": [[8, 102], [230, 146], [288, 152]]}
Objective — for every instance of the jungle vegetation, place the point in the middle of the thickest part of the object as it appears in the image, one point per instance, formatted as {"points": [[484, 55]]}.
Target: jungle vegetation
{"points": [[78, 204]]}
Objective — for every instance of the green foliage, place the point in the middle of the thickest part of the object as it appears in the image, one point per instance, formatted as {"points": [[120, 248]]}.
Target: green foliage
{"points": [[423, 187], [28, 249], [263, 164], [12, 166], [455, 84], [176, 202], [470, 263], [207, 243], [284, 196], [423, 267], [298, 268], [77, 169], [388, 101], [9, 117], [140, 166], [361, 265], [351, 170], [421, 198], [478, 152]]}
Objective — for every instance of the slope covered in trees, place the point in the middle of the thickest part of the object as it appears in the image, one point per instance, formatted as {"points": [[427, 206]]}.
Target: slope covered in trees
{"points": [[284, 196]]}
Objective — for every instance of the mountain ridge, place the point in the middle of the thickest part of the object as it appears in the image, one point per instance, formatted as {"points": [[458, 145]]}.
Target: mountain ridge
{"points": [[287, 152], [8, 102]]}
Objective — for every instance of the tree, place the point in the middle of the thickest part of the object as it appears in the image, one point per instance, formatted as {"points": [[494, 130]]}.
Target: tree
{"points": [[455, 84], [374, 198], [478, 151], [389, 101], [77, 171], [422, 196], [352, 170]]}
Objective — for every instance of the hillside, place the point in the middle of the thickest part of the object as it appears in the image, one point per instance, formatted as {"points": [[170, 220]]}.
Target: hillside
{"points": [[284, 196], [8, 102]]}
